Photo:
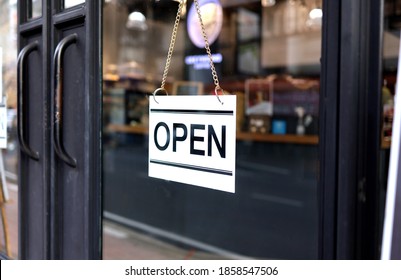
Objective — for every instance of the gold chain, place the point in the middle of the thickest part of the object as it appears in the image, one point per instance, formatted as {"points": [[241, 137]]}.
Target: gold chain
{"points": [[207, 47], [172, 43]]}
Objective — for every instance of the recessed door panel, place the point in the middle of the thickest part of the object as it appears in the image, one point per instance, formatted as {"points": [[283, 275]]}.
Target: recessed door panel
{"points": [[31, 131], [76, 134], [70, 177]]}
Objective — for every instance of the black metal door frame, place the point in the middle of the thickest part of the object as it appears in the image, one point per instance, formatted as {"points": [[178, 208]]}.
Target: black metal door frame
{"points": [[349, 226], [60, 86]]}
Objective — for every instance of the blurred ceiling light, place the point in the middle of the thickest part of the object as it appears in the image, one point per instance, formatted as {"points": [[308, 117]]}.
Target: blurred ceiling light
{"points": [[316, 13], [268, 3], [137, 20]]}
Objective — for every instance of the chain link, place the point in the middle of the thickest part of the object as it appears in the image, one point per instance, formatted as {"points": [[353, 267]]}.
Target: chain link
{"points": [[207, 47], [172, 43]]}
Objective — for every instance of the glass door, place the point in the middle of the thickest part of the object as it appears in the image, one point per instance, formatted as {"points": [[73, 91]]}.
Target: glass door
{"points": [[390, 72], [309, 154], [267, 54]]}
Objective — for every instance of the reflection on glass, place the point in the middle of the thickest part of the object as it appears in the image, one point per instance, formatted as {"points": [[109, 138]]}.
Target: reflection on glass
{"points": [[35, 9], [72, 3], [391, 45], [257, 54]]}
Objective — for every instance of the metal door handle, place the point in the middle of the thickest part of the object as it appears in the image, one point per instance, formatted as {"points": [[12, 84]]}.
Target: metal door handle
{"points": [[58, 100], [20, 96]]}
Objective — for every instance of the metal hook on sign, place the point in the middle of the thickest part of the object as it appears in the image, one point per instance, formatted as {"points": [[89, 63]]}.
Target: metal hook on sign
{"points": [[219, 91], [156, 91]]}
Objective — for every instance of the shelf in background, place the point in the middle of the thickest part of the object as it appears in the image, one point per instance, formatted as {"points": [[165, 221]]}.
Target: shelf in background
{"points": [[243, 136], [386, 143], [276, 138], [137, 129]]}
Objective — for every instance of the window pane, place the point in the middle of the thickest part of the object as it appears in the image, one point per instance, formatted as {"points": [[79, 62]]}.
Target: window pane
{"points": [[71, 3], [390, 56], [267, 54], [35, 9]]}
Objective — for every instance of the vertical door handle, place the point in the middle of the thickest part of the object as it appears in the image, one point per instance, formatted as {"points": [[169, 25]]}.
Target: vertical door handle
{"points": [[58, 100], [24, 146]]}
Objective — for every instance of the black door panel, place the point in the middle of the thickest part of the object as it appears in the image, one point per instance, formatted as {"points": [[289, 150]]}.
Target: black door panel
{"points": [[32, 131], [60, 207]]}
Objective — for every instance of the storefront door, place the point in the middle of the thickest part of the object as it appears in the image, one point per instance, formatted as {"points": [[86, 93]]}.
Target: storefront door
{"points": [[308, 170], [59, 106], [308, 129]]}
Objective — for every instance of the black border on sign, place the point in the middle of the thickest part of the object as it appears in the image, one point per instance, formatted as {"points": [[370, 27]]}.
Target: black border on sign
{"points": [[192, 167]]}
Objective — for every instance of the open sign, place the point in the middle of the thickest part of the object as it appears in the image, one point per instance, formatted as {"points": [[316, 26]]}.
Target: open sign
{"points": [[192, 140]]}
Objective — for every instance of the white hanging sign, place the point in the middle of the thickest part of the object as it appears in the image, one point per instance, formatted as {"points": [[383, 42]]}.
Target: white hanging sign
{"points": [[192, 140], [3, 127]]}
